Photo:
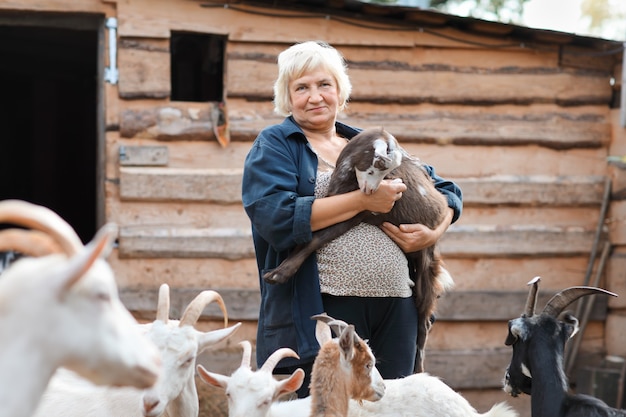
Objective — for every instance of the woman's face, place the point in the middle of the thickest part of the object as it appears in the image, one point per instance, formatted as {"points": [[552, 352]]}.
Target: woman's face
{"points": [[314, 99]]}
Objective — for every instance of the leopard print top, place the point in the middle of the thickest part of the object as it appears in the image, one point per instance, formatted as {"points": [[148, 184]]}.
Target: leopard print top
{"points": [[363, 262]]}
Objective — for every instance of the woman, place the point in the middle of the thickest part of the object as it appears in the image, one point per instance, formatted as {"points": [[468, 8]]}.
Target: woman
{"points": [[361, 277]]}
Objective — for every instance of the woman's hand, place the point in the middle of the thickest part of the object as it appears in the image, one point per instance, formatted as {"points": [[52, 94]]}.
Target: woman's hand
{"points": [[414, 237], [383, 199]]}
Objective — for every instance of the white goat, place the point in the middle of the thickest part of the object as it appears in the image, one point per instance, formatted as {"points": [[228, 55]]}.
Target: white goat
{"points": [[63, 309], [417, 395], [343, 370], [174, 394]]}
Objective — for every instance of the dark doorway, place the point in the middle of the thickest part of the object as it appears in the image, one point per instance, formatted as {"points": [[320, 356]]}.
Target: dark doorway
{"points": [[49, 119]]}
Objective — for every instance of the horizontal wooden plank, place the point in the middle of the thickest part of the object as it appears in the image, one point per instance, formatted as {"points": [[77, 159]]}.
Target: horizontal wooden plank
{"points": [[466, 306], [555, 134], [516, 240], [240, 304], [144, 73], [460, 241], [499, 305], [533, 190], [379, 84], [542, 124], [218, 185], [184, 242], [224, 185], [470, 274]]}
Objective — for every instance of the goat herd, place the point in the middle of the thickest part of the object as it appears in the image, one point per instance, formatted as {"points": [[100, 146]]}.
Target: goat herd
{"points": [[70, 348]]}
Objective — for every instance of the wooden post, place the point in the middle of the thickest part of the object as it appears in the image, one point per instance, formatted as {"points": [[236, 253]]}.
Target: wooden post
{"points": [[623, 90]]}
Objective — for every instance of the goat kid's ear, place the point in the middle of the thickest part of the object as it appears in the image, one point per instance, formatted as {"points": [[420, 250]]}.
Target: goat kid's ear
{"points": [[347, 340], [211, 378], [80, 263], [291, 384]]}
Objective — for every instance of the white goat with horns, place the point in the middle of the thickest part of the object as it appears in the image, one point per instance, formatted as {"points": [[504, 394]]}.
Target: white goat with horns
{"points": [[63, 309], [343, 370], [417, 395], [174, 394]]}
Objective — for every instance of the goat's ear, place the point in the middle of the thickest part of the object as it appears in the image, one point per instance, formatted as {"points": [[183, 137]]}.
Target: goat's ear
{"points": [[80, 263], [347, 340], [211, 378], [570, 324], [291, 384], [322, 332], [515, 331], [208, 339]]}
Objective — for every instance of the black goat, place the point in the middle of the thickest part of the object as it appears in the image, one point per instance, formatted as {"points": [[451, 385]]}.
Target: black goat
{"points": [[365, 161], [536, 367]]}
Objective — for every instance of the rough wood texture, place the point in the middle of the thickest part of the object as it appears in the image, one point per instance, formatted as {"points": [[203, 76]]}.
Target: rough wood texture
{"points": [[184, 242], [179, 184], [144, 71], [143, 155], [553, 131], [440, 87], [462, 241], [463, 306], [222, 185]]}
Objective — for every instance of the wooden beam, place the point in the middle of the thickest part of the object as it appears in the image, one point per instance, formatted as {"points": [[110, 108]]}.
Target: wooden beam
{"points": [[192, 121], [460, 241], [516, 240], [499, 305], [224, 186], [533, 190], [184, 242], [218, 185], [243, 304], [249, 78]]}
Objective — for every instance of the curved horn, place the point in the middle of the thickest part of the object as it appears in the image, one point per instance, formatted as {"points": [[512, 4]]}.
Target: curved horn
{"points": [[336, 325], [562, 299], [275, 357], [247, 353], [28, 242], [531, 301], [43, 219], [195, 307], [163, 304]]}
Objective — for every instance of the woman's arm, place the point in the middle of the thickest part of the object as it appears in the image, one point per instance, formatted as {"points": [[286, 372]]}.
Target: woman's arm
{"points": [[414, 237], [334, 209]]}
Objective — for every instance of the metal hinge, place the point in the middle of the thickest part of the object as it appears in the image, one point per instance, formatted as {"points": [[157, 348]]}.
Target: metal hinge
{"points": [[111, 74]]}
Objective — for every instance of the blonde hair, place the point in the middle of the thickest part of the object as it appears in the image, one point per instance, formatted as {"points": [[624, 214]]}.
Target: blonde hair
{"points": [[303, 57]]}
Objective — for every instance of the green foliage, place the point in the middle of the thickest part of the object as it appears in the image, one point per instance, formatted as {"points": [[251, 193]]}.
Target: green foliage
{"points": [[506, 11]]}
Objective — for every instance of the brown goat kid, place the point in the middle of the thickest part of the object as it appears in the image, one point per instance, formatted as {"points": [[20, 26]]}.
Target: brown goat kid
{"points": [[367, 159], [344, 369]]}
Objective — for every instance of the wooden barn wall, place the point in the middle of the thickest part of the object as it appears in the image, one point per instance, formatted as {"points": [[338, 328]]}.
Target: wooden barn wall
{"points": [[524, 132]]}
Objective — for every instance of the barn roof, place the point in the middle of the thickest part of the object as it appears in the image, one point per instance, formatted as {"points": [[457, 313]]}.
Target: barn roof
{"points": [[425, 19]]}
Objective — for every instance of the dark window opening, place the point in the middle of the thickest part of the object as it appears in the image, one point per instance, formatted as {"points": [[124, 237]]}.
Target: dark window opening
{"points": [[197, 67]]}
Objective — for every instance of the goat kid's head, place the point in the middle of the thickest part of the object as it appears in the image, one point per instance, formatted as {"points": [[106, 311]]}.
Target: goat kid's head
{"points": [[180, 344], [85, 326], [250, 393], [356, 358], [544, 335], [372, 154]]}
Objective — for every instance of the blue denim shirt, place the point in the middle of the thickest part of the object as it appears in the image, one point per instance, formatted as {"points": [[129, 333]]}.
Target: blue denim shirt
{"points": [[278, 192]]}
